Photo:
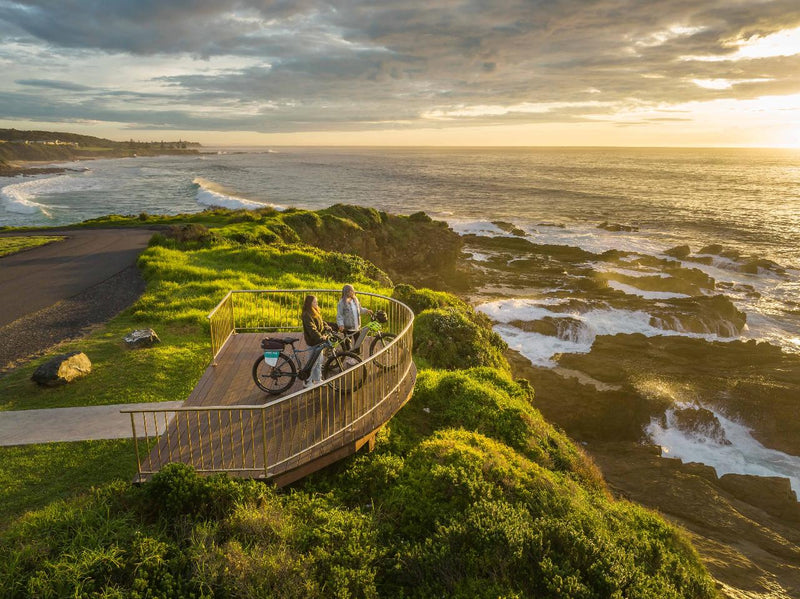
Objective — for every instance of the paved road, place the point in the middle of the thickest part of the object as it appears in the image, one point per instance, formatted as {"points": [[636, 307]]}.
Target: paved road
{"points": [[38, 278]]}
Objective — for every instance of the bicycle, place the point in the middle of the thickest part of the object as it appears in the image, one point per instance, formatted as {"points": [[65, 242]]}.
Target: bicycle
{"points": [[275, 371], [354, 339]]}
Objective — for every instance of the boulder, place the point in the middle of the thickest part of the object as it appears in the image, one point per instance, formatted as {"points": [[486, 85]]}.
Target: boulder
{"points": [[141, 338], [756, 265], [714, 248], [567, 328], [62, 369], [701, 424], [616, 227], [509, 228], [679, 251]]}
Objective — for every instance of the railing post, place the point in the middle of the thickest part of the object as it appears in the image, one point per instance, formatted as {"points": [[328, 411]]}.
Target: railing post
{"points": [[233, 313], [264, 438], [136, 448]]}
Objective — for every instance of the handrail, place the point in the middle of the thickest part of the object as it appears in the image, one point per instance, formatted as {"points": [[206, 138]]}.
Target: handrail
{"points": [[290, 427]]}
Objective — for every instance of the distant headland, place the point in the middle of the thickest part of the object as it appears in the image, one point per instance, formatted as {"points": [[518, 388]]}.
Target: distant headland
{"points": [[19, 150]]}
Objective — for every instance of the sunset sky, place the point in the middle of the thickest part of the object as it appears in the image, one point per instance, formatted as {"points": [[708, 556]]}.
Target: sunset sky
{"points": [[601, 72]]}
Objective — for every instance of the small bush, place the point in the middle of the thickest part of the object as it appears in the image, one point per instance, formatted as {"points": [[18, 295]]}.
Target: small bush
{"points": [[177, 491], [489, 402], [423, 299], [448, 338]]}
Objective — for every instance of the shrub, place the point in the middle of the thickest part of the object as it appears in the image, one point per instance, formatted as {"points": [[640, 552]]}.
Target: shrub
{"points": [[473, 518], [448, 338], [177, 491], [423, 299], [489, 402]]}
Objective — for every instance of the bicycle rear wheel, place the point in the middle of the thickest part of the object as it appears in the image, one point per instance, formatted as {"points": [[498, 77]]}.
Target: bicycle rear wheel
{"points": [[340, 362], [274, 379], [381, 341]]}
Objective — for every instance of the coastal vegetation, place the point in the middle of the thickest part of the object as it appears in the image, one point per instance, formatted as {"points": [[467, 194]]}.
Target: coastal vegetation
{"points": [[12, 245], [470, 492]]}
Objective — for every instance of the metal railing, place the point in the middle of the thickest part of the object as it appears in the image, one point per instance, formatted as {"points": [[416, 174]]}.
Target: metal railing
{"points": [[286, 432]]}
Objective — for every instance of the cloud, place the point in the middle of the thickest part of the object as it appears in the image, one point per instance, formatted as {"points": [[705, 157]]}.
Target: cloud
{"points": [[51, 84], [310, 65]]}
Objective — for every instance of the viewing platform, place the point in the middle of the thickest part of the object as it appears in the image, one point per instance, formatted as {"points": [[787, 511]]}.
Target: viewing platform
{"points": [[227, 424]]}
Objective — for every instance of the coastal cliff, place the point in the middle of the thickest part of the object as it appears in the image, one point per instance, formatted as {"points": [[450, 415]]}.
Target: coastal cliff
{"points": [[470, 492]]}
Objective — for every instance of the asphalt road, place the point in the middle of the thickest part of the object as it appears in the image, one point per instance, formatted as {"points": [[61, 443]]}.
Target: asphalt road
{"points": [[36, 279]]}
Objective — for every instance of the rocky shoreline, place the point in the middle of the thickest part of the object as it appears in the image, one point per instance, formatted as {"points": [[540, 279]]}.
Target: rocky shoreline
{"points": [[15, 171], [747, 528]]}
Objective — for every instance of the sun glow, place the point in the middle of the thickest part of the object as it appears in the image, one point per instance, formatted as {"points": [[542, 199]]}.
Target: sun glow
{"points": [[782, 43]]}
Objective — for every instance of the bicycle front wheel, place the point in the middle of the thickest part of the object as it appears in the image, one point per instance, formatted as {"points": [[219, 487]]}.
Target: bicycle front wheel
{"points": [[340, 362], [274, 379], [381, 341]]}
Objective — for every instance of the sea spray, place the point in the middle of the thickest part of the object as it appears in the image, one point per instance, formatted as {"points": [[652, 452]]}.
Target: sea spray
{"points": [[742, 454]]}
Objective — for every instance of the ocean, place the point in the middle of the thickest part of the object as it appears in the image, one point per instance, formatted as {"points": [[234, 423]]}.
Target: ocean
{"points": [[737, 210]]}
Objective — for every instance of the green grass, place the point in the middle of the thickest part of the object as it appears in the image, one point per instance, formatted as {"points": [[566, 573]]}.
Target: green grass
{"points": [[33, 476], [12, 245]]}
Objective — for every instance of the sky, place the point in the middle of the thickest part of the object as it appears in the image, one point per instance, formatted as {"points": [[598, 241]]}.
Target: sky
{"points": [[531, 73]]}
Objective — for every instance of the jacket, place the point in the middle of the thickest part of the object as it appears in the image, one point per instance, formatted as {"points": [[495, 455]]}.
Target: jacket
{"points": [[348, 318], [313, 329]]}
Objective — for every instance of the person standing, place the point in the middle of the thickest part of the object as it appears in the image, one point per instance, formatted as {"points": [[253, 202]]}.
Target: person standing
{"points": [[315, 333], [349, 311]]}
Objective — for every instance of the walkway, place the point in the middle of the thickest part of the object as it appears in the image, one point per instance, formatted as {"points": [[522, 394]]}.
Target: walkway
{"points": [[25, 427]]}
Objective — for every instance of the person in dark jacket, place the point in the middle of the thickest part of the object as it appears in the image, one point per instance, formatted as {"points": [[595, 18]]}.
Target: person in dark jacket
{"points": [[315, 333]]}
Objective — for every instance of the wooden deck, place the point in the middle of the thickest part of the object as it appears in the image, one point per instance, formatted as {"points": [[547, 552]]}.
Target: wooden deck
{"points": [[282, 438]]}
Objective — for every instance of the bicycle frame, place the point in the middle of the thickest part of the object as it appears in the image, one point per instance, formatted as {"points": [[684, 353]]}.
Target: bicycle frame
{"points": [[301, 368], [357, 339]]}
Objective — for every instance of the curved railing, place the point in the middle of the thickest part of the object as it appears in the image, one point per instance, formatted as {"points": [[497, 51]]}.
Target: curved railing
{"points": [[287, 432]]}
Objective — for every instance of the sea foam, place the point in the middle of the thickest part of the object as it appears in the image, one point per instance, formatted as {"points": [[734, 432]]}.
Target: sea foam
{"points": [[744, 455], [540, 349], [631, 290], [212, 194], [21, 197]]}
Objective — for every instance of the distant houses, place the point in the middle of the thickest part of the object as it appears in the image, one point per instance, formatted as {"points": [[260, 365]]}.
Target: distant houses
{"points": [[48, 142]]}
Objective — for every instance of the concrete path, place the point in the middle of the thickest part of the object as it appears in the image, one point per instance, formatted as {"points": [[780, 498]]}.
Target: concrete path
{"points": [[25, 427]]}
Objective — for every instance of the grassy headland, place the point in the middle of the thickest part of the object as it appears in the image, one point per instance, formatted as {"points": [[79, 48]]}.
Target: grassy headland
{"points": [[469, 493], [20, 147]]}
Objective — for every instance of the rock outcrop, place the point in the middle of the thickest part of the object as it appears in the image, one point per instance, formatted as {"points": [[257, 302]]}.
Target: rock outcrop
{"points": [[772, 494], [141, 338], [700, 423]]}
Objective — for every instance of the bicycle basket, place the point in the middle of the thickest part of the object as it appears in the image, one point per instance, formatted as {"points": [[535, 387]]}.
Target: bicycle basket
{"points": [[380, 316], [267, 343]]}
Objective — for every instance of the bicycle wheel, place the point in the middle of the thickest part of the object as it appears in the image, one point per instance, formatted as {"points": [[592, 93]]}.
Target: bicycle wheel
{"points": [[340, 362], [381, 341], [274, 379]]}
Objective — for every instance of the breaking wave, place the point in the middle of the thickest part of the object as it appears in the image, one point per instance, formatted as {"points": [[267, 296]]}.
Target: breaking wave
{"points": [[212, 194]]}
